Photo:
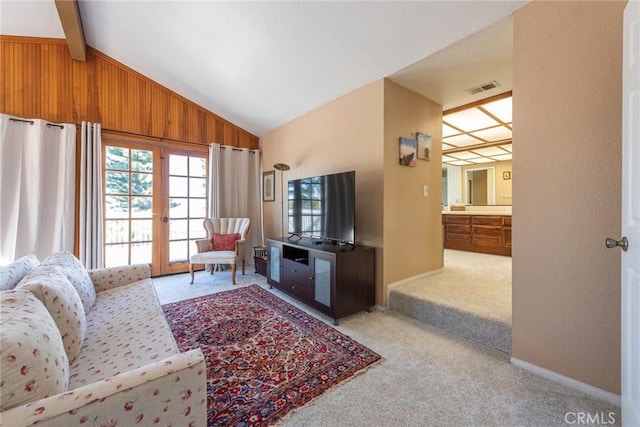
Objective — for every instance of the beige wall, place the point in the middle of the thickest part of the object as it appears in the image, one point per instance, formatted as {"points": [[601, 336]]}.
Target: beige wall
{"points": [[567, 154], [504, 190], [360, 132], [412, 222], [343, 135]]}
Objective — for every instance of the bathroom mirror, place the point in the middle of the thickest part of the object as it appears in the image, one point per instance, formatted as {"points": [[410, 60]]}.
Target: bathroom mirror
{"points": [[480, 186], [477, 185]]}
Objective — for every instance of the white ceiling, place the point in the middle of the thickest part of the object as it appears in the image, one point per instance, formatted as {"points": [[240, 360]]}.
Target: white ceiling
{"points": [[262, 64]]}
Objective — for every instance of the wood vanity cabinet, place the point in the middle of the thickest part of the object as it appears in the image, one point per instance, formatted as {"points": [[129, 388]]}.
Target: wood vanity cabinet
{"points": [[336, 280], [490, 234]]}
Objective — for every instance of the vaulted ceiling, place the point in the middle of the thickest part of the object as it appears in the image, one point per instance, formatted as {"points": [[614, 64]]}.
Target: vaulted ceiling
{"points": [[262, 64]]}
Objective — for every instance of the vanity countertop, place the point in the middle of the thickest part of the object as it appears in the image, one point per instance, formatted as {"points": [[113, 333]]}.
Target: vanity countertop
{"points": [[504, 213]]}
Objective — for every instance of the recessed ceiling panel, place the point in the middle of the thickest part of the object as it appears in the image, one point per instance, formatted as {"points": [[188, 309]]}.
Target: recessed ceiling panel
{"points": [[502, 157], [447, 147], [489, 151], [460, 163], [507, 147], [462, 141], [498, 133], [464, 155], [448, 159], [501, 108], [481, 160], [470, 120], [448, 131]]}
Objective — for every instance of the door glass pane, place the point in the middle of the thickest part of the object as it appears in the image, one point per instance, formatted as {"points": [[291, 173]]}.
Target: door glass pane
{"points": [[141, 230], [178, 208], [187, 204], [141, 183], [197, 208], [116, 158], [178, 250], [178, 186], [116, 207], [322, 281], [115, 255], [196, 229], [197, 166], [141, 207], [178, 165], [141, 253], [116, 231], [128, 240], [197, 187], [179, 229], [116, 183], [141, 160]]}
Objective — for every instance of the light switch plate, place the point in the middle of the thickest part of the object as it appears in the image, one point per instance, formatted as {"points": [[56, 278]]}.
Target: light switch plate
{"points": [[425, 190]]}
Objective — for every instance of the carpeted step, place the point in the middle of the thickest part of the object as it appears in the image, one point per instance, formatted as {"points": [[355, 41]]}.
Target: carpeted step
{"points": [[482, 328]]}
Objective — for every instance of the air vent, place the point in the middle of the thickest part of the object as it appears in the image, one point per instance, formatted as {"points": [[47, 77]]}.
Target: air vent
{"points": [[482, 88]]}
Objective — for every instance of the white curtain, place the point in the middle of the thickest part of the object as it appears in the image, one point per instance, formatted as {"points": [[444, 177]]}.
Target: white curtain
{"points": [[234, 189], [37, 182], [91, 238]]}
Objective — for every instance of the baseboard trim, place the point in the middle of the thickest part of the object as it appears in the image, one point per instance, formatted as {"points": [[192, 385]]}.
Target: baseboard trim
{"points": [[390, 286], [592, 391]]}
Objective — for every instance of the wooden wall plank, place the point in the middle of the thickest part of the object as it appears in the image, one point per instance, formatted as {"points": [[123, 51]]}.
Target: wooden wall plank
{"points": [[40, 80]]}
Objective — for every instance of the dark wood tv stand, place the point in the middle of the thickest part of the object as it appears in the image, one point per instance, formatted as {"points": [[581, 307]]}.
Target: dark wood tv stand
{"points": [[337, 280]]}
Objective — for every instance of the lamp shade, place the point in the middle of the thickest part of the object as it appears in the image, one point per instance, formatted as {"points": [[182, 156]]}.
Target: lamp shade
{"points": [[282, 166]]}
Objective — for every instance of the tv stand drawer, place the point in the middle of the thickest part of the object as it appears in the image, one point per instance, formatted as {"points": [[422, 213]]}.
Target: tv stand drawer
{"points": [[295, 271]]}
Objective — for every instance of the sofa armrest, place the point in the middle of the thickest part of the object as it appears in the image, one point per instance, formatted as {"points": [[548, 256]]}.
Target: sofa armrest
{"points": [[112, 277], [170, 391], [203, 245]]}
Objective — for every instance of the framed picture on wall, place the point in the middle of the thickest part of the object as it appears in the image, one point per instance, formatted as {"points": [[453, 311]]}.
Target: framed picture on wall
{"points": [[269, 186], [424, 146], [506, 175], [408, 149]]}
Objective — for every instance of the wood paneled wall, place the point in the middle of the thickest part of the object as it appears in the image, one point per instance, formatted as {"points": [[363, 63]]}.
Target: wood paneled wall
{"points": [[40, 80]]}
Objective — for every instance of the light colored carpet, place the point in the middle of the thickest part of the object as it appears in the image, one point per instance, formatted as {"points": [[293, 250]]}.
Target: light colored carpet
{"points": [[471, 297], [427, 377]]}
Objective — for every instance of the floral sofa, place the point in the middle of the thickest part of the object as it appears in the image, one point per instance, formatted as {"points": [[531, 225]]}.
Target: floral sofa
{"points": [[91, 348]]}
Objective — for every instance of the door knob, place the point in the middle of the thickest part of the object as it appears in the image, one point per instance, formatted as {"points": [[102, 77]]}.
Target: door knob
{"points": [[612, 243]]}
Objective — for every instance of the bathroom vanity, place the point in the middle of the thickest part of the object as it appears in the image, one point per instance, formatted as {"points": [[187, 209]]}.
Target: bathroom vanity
{"points": [[480, 231]]}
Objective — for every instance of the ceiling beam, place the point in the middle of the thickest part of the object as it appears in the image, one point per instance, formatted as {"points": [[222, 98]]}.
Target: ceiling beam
{"points": [[72, 25]]}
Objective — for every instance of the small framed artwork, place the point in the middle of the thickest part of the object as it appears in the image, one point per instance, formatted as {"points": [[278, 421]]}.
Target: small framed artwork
{"points": [[408, 149], [506, 175], [269, 186], [424, 146]]}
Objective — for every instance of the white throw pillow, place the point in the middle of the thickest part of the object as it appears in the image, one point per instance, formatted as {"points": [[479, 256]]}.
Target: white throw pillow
{"points": [[34, 363], [77, 275], [55, 291], [11, 274]]}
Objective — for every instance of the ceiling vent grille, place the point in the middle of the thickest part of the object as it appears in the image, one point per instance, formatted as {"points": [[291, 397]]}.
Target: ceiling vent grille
{"points": [[482, 88]]}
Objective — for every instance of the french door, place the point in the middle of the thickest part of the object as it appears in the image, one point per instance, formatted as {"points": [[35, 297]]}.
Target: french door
{"points": [[155, 200]]}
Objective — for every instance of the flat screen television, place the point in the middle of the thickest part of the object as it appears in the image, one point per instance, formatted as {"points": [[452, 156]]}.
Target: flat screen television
{"points": [[323, 207]]}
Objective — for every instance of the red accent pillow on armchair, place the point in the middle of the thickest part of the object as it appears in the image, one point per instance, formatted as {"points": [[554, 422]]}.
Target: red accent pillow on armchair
{"points": [[224, 242]]}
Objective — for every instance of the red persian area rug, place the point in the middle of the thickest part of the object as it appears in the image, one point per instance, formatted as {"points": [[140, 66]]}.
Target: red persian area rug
{"points": [[264, 356]]}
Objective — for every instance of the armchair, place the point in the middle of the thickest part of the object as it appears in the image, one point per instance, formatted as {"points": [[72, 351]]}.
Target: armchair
{"points": [[206, 253]]}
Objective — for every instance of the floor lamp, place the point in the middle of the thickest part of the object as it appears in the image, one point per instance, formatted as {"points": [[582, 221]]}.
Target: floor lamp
{"points": [[282, 167]]}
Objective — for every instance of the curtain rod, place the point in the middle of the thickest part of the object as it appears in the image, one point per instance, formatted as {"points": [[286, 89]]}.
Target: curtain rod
{"points": [[31, 122], [172, 140], [224, 147]]}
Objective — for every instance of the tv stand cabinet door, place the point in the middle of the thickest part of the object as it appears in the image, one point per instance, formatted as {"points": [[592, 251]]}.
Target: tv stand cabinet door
{"points": [[323, 281], [274, 263]]}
